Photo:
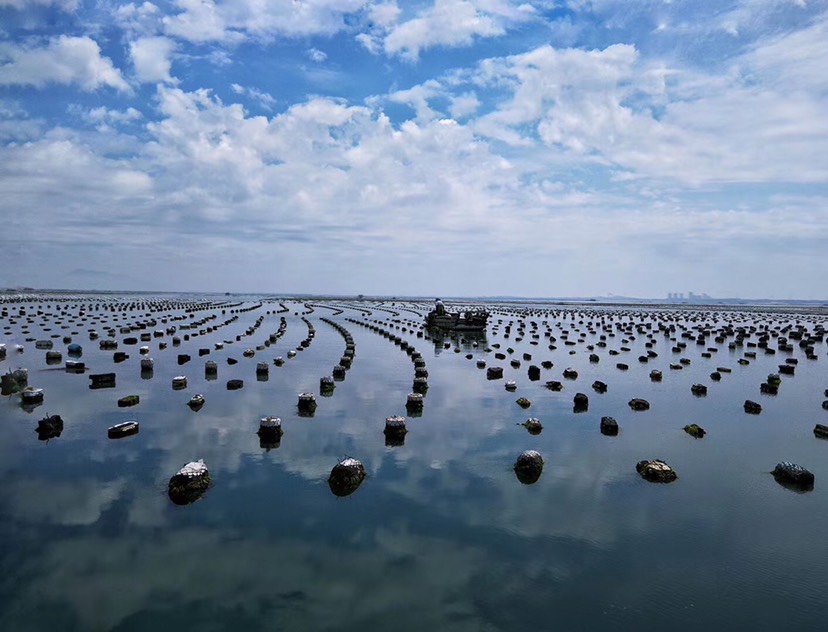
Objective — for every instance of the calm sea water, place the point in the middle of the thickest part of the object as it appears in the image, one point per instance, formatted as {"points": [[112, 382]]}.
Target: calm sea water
{"points": [[440, 535]]}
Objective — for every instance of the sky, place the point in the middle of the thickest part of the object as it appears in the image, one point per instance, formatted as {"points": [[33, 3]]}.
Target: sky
{"points": [[436, 148]]}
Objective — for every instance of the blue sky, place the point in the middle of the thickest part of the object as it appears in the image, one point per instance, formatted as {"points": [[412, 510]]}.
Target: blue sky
{"points": [[451, 147]]}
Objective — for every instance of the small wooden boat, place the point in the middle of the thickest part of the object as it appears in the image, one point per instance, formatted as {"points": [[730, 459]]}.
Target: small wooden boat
{"points": [[196, 401], [179, 382], [123, 429]]}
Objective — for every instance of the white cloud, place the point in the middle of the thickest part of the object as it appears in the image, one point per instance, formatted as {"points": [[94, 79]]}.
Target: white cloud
{"points": [[208, 20], [417, 97], [66, 60], [143, 19], [446, 23], [68, 6], [151, 58], [609, 107], [199, 21], [52, 177], [314, 54], [104, 119], [464, 105]]}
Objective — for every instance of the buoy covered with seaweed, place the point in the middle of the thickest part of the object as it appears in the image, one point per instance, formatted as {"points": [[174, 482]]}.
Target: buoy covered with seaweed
{"points": [[306, 404], [189, 483], [529, 466], [123, 429], [533, 425], [793, 475], [270, 427], [49, 427], [656, 471], [346, 476], [270, 432]]}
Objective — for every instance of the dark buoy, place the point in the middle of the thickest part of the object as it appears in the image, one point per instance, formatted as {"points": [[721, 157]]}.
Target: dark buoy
{"points": [[395, 431], [793, 476], [346, 476], [656, 471], [533, 425], [49, 427], [752, 408], [609, 426], [528, 466], [639, 404], [270, 432], [694, 430], [189, 483], [306, 404]]}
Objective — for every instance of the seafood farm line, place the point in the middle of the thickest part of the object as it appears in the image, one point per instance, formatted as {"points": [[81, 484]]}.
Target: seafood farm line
{"points": [[537, 446]]}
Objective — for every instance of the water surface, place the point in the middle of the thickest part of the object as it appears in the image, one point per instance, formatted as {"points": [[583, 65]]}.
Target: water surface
{"points": [[440, 535]]}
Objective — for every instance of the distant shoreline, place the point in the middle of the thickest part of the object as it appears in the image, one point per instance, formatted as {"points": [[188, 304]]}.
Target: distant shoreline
{"points": [[623, 301]]}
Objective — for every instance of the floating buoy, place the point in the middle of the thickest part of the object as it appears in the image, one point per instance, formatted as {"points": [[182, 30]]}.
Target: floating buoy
{"points": [[49, 427], [306, 404], [639, 404], [528, 466], [656, 471], [609, 426], [395, 430], [346, 476], [123, 429], [189, 483], [793, 475], [533, 425], [694, 430], [414, 402]]}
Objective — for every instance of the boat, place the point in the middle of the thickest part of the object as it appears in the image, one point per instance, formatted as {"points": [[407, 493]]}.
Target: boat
{"points": [[75, 366], [196, 401], [147, 364], [123, 429], [144, 350], [179, 381], [469, 320]]}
